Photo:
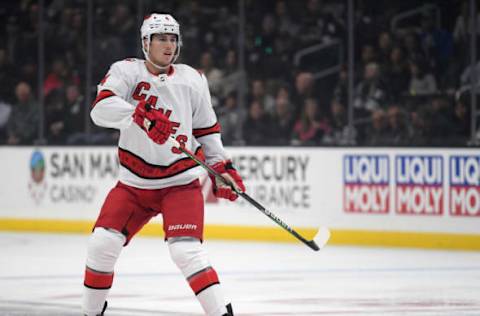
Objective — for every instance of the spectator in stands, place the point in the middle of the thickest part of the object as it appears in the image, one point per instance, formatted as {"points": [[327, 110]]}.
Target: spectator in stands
{"points": [[285, 24], [193, 18], [74, 114], [312, 125], [421, 81], [304, 89], [385, 46], [122, 23], [22, 125], [71, 29], [461, 122], [28, 73], [339, 133], [421, 126], [397, 73], [214, 75], [412, 47], [274, 33], [257, 128], [232, 76], [58, 77], [375, 134], [260, 94], [231, 116], [398, 131], [54, 116], [283, 92], [310, 33], [222, 29], [262, 56], [230, 63], [437, 44], [441, 120], [370, 93], [283, 55], [282, 122], [368, 56]]}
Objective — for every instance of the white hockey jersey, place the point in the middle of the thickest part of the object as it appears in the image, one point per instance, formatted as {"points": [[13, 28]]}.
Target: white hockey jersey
{"points": [[183, 96]]}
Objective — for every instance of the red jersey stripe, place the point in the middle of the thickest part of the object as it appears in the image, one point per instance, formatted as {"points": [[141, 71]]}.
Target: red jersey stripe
{"points": [[102, 95], [146, 170], [199, 132]]}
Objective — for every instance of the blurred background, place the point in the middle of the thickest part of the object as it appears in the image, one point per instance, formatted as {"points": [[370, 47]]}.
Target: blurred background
{"points": [[358, 115], [309, 72]]}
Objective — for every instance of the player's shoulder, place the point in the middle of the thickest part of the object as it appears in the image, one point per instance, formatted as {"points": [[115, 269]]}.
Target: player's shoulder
{"points": [[188, 71], [193, 76], [128, 64]]}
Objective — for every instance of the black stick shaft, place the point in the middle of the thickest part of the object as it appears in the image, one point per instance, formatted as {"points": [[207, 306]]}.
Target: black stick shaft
{"points": [[248, 198]]}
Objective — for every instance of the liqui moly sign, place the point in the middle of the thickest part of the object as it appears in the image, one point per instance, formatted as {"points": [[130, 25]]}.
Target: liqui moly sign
{"points": [[465, 185], [419, 185], [366, 184]]}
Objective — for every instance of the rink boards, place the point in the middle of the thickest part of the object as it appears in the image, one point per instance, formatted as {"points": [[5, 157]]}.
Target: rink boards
{"points": [[367, 196]]}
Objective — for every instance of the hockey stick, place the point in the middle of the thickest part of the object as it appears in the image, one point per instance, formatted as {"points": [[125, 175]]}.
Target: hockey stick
{"points": [[320, 239]]}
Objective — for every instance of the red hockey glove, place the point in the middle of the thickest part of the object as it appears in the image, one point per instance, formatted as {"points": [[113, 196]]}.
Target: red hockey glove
{"points": [[153, 122], [222, 190]]}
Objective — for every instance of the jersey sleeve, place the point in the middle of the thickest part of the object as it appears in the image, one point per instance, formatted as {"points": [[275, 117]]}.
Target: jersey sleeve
{"points": [[110, 108], [206, 128]]}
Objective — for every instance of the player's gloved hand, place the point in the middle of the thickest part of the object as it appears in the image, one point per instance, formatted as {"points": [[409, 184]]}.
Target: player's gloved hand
{"points": [[222, 190], [157, 126]]}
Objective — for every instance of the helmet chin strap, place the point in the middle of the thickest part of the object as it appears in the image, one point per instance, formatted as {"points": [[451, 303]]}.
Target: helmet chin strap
{"points": [[161, 68]]}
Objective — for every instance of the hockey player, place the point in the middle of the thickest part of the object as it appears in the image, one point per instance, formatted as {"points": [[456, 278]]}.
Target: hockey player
{"points": [[149, 101]]}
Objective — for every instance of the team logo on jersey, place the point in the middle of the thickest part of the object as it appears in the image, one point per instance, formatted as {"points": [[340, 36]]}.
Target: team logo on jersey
{"points": [[465, 185], [37, 185], [142, 92], [419, 185], [366, 184]]}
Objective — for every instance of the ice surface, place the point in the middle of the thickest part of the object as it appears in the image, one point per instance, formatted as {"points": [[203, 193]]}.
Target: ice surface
{"points": [[42, 274]]}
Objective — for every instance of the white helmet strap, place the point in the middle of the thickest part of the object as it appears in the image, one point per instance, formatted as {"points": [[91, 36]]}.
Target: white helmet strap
{"points": [[146, 52]]}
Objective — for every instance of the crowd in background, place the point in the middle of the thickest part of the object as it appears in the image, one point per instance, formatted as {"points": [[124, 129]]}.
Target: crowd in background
{"points": [[411, 84]]}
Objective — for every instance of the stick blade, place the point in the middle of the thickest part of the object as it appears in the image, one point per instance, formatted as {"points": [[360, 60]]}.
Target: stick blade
{"points": [[322, 237]]}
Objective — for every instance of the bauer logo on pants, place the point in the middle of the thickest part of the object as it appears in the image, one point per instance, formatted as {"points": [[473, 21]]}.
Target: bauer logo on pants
{"points": [[465, 185], [419, 185], [366, 184], [182, 227]]}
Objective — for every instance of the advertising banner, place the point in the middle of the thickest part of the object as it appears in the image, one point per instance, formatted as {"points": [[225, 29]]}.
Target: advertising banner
{"points": [[410, 190], [56, 182]]}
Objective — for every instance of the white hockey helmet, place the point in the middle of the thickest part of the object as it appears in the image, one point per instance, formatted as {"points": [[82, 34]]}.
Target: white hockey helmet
{"points": [[157, 23]]}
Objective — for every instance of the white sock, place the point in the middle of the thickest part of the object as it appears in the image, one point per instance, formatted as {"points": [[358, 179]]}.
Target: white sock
{"points": [[212, 301], [104, 247], [191, 259], [92, 300]]}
